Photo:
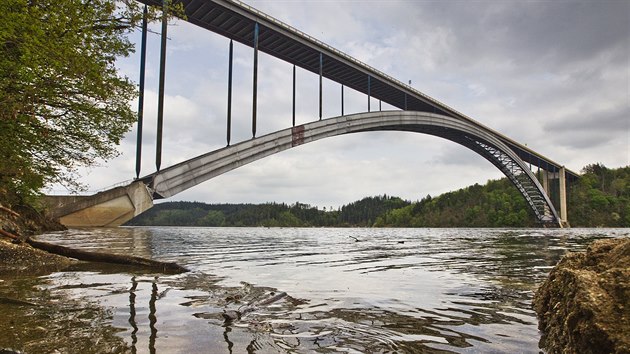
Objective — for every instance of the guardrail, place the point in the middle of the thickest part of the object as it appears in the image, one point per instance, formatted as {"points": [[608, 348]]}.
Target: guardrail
{"points": [[60, 192]]}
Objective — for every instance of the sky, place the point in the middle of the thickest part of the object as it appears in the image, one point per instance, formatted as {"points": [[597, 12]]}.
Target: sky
{"points": [[554, 75]]}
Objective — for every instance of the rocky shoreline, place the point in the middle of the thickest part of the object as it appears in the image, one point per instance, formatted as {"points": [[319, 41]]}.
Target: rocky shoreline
{"points": [[584, 305], [16, 256], [19, 254], [22, 259]]}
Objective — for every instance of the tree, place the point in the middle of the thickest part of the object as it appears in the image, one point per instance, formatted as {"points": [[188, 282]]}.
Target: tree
{"points": [[62, 102], [213, 218]]}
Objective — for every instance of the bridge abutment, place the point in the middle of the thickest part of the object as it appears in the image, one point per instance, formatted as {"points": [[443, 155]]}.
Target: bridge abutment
{"points": [[110, 208]]}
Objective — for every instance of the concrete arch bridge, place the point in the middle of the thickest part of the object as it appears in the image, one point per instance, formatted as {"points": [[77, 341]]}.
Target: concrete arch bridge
{"points": [[119, 205], [244, 25]]}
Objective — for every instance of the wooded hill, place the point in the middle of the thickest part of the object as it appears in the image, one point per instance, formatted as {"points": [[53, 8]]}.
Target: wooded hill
{"points": [[601, 197]]}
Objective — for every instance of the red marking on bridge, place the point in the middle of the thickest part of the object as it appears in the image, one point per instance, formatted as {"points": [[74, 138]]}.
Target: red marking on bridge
{"points": [[297, 135]]}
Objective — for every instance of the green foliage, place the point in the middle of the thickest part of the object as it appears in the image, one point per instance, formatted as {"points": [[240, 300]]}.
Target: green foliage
{"points": [[401, 217], [62, 102], [601, 197], [497, 204], [365, 211], [212, 218]]}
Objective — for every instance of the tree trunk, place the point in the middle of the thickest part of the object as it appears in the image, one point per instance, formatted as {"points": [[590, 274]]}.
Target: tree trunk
{"points": [[107, 257]]}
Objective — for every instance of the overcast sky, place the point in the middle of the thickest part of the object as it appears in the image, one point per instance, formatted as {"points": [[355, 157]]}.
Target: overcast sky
{"points": [[550, 74]]}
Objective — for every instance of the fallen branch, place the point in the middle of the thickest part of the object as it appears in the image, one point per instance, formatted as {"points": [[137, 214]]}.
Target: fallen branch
{"points": [[12, 301], [106, 257], [234, 315], [5, 209], [271, 299], [9, 235]]}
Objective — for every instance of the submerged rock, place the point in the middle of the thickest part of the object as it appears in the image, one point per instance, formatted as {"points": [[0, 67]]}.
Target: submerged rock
{"points": [[235, 315], [583, 306]]}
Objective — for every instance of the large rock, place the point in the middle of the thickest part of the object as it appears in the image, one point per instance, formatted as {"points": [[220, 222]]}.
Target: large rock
{"points": [[583, 306]]}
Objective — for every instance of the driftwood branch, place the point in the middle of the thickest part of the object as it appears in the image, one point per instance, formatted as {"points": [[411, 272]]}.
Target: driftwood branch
{"points": [[106, 257], [9, 211], [9, 235], [12, 301], [234, 315]]}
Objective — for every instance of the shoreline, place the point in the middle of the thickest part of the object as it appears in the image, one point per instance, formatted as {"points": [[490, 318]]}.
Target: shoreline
{"points": [[16, 256], [21, 255]]}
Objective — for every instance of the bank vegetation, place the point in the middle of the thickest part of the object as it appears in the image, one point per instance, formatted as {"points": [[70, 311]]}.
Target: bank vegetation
{"points": [[600, 198]]}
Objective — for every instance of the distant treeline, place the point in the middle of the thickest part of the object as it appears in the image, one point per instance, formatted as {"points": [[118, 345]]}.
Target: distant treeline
{"points": [[601, 197]]}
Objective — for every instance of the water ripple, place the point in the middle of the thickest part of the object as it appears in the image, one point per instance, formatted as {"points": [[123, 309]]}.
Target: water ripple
{"points": [[392, 290]]}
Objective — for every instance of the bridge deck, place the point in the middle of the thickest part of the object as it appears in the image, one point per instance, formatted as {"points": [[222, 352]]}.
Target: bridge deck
{"points": [[236, 20]]}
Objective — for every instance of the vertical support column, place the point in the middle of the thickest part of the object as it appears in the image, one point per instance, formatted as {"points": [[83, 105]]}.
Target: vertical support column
{"points": [[229, 103], [545, 181], [321, 70], [554, 175], [294, 95], [380, 108], [143, 59], [369, 90], [255, 89], [563, 196], [342, 100], [405, 101], [160, 117]]}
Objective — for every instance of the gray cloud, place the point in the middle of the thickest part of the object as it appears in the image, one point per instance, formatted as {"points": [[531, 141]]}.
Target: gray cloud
{"points": [[587, 128]]}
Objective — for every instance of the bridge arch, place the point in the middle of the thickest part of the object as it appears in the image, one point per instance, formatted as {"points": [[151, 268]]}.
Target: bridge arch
{"points": [[177, 178]]}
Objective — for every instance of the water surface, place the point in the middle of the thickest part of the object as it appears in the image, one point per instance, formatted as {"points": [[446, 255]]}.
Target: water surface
{"points": [[347, 291]]}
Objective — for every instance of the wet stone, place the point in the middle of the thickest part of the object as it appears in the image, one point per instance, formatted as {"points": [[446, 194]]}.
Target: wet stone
{"points": [[584, 305]]}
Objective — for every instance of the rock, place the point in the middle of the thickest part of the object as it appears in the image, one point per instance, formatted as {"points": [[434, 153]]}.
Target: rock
{"points": [[231, 316], [9, 351], [235, 315], [24, 259], [583, 306]]}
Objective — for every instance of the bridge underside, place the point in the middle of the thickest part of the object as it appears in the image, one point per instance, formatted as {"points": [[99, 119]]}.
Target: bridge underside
{"points": [[180, 177], [109, 208]]}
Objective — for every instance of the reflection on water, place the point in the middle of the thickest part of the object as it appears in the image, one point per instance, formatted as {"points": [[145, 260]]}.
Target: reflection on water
{"points": [[392, 290], [152, 315], [41, 319], [132, 314]]}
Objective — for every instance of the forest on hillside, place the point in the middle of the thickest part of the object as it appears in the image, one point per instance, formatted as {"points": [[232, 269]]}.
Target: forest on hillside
{"points": [[600, 198]]}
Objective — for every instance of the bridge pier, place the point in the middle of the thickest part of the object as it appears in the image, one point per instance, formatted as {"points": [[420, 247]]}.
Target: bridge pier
{"points": [[563, 197], [110, 208], [562, 191], [545, 180]]}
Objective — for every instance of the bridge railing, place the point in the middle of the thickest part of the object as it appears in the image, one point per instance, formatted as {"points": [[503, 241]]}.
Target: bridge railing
{"points": [[60, 192]]}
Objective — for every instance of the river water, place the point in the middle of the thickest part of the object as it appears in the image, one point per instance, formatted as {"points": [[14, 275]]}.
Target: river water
{"points": [[296, 291]]}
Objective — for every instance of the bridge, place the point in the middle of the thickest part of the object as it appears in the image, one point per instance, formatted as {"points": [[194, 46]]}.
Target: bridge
{"points": [[533, 174]]}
